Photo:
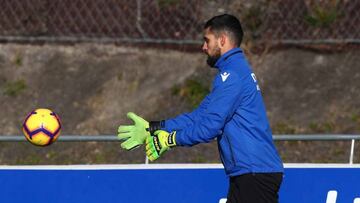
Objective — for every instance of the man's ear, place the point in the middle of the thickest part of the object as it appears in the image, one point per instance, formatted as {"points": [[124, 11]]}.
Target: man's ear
{"points": [[222, 40]]}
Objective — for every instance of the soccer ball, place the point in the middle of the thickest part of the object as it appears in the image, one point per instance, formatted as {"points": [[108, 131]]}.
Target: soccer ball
{"points": [[41, 127]]}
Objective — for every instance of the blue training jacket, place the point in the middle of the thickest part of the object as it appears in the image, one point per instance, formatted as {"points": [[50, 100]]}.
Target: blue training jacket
{"points": [[234, 113]]}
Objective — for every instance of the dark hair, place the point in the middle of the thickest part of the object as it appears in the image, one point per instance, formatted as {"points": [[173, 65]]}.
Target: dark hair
{"points": [[226, 23]]}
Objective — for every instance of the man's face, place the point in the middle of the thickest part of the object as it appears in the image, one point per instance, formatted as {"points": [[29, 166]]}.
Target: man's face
{"points": [[210, 46]]}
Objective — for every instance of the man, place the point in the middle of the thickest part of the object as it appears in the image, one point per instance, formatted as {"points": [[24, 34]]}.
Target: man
{"points": [[233, 113]]}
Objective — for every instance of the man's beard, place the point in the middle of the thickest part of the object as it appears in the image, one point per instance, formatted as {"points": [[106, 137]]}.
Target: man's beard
{"points": [[211, 60]]}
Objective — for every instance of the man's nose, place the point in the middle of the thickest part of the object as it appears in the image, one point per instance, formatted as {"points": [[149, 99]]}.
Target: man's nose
{"points": [[204, 47]]}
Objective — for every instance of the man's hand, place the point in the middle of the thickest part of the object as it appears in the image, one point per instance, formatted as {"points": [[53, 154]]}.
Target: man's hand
{"points": [[134, 135], [159, 143]]}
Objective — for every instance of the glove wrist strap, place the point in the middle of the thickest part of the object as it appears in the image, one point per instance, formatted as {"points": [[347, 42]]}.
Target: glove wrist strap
{"points": [[155, 125], [171, 139]]}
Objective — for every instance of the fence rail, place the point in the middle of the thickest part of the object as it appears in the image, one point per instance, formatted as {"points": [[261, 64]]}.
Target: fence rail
{"points": [[113, 138]]}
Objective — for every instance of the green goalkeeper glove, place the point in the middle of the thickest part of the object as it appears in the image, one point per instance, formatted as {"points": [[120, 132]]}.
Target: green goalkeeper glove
{"points": [[159, 143], [134, 135]]}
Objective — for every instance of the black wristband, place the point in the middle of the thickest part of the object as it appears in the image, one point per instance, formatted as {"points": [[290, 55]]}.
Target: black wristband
{"points": [[155, 125]]}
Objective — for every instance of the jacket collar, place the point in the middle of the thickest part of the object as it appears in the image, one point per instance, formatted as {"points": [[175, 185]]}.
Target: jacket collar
{"points": [[223, 60]]}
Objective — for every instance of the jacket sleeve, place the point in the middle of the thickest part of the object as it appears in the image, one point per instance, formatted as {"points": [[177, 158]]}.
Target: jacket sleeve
{"points": [[223, 100]]}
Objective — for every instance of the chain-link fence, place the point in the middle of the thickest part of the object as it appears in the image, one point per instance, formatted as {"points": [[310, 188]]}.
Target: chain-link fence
{"points": [[177, 21], [304, 21], [109, 20]]}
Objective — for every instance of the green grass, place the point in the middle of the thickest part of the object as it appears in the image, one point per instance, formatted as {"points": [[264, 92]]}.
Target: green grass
{"points": [[14, 88], [167, 3], [321, 16], [355, 117], [120, 76], [283, 128], [193, 91], [322, 127], [100, 158], [51, 155], [18, 61], [198, 159], [28, 160]]}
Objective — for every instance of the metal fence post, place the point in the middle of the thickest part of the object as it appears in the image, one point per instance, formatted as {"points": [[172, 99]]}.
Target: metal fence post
{"points": [[351, 159], [146, 160]]}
